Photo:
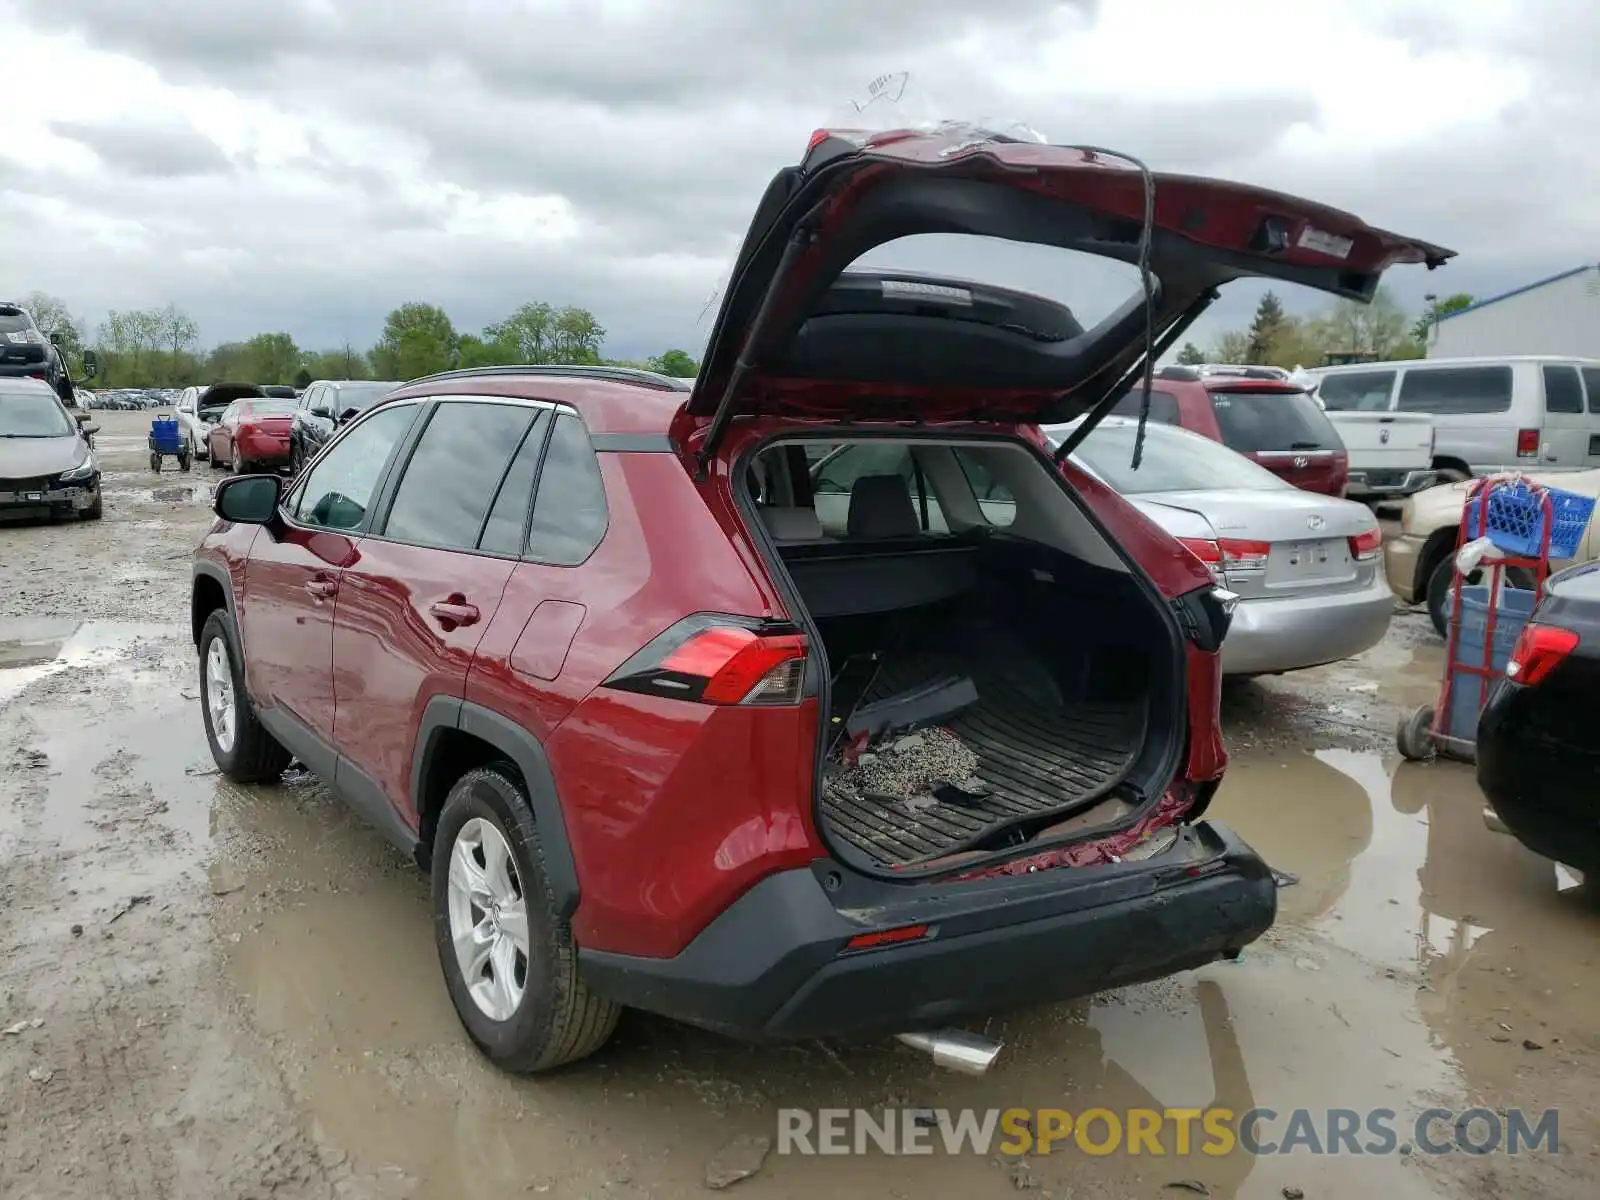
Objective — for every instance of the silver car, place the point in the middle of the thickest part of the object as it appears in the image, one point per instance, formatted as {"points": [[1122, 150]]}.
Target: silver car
{"points": [[47, 467], [1307, 567]]}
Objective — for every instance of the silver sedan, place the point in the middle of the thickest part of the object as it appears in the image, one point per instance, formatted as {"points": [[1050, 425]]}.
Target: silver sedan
{"points": [[1307, 567]]}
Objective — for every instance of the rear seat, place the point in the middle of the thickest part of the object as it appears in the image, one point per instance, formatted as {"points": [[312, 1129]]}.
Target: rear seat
{"points": [[885, 563]]}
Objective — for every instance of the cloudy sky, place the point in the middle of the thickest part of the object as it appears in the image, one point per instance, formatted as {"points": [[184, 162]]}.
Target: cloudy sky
{"points": [[305, 165]]}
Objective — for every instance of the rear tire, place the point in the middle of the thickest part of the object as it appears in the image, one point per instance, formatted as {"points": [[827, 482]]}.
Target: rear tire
{"points": [[243, 750], [552, 1018], [95, 511]]}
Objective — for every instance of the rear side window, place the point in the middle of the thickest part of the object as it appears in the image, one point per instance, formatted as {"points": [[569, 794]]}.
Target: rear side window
{"points": [[994, 498], [1591, 384], [1357, 391], [509, 516], [1456, 391], [1163, 406], [1257, 421], [449, 484], [569, 512], [339, 489], [1563, 393]]}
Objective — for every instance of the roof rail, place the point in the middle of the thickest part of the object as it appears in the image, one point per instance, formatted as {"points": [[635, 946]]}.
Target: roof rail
{"points": [[649, 379]]}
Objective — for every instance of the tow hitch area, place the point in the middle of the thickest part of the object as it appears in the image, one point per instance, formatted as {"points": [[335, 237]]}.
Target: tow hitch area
{"points": [[969, 1053]]}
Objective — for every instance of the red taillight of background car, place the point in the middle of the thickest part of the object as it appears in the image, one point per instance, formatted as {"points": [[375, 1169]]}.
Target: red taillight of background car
{"points": [[1229, 554], [1364, 547], [719, 660], [1540, 650], [1527, 443]]}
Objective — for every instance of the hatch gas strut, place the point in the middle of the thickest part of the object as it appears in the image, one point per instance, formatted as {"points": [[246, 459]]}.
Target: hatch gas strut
{"points": [[1110, 399]]}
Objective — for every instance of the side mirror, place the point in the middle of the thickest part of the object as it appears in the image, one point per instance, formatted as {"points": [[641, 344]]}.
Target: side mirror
{"points": [[55, 339], [248, 499], [325, 413], [91, 364]]}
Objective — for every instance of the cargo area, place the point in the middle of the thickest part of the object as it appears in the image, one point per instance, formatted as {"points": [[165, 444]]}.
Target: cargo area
{"points": [[996, 674]]}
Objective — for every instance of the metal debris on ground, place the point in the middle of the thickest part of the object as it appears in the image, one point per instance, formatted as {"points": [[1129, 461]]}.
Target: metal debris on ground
{"points": [[913, 768], [128, 906]]}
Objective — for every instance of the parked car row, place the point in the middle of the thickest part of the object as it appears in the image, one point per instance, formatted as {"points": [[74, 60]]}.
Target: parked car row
{"points": [[604, 651]]}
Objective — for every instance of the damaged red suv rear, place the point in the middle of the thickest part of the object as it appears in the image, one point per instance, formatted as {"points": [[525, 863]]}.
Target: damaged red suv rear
{"points": [[817, 699]]}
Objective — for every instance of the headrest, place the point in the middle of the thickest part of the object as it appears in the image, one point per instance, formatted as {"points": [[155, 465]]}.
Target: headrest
{"points": [[880, 507], [792, 524]]}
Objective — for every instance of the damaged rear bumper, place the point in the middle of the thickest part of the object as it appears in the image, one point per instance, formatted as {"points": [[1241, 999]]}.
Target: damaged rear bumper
{"points": [[777, 962]]}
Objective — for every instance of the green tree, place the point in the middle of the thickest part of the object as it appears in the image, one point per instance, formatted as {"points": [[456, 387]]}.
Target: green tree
{"points": [[1423, 329], [228, 362], [578, 336], [1191, 355], [344, 362], [51, 314], [271, 358], [128, 341], [1267, 328], [1232, 347], [529, 333], [676, 363], [418, 339], [1350, 327], [302, 378]]}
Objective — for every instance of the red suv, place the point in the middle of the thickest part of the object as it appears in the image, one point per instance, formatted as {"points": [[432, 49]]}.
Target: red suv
{"points": [[1256, 411], [677, 724]]}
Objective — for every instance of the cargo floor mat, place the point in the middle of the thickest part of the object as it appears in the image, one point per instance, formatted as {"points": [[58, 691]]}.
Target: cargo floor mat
{"points": [[1035, 758]]}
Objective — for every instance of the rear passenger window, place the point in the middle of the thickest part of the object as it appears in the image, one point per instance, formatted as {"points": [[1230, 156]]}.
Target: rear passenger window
{"points": [[338, 490], [1356, 391], [834, 479], [1563, 393], [994, 498], [569, 513], [1163, 406], [1456, 391], [1252, 422], [1591, 384], [509, 516], [444, 496]]}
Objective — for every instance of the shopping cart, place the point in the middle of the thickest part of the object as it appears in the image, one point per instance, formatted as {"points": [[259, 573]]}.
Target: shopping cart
{"points": [[1528, 525], [167, 439]]}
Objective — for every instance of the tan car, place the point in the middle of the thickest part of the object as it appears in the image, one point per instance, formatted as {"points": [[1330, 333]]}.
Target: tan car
{"points": [[1417, 562]]}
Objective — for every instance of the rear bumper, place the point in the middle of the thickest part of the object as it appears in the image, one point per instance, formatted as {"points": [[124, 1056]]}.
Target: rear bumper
{"points": [[1271, 635], [263, 447], [1378, 484], [1540, 791], [775, 963]]}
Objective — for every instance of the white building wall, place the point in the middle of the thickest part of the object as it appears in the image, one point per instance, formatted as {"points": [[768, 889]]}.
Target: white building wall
{"points": [[1562, 317]]}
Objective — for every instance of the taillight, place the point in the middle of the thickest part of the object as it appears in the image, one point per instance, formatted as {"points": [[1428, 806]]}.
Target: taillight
{"points": [[1539, 650], [1364, 547], [1527, 443], [1230, 554], [714, 659]]}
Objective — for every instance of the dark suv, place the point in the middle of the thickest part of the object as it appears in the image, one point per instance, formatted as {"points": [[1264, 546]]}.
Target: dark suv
{"points": [[324, 406], [26, 352], [669, 732]]}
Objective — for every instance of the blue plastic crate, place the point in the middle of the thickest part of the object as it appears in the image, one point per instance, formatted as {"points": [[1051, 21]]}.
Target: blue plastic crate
{"points": [[164, 435], [1516, 519], [1467, 690]]}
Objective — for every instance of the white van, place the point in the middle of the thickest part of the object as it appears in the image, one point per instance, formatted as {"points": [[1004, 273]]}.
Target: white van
{"points": [[1489, 414]]}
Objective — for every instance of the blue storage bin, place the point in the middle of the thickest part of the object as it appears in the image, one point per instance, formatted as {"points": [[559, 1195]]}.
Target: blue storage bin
{"points": [[1516, 606], [1516, 519]]}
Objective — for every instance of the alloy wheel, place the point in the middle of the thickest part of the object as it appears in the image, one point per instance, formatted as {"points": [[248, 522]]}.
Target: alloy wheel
{"points": [[488, 919], [220, 695]]}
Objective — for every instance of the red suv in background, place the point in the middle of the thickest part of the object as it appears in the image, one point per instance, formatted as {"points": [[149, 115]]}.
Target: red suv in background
{"points": [[1255, 411], [673, 729]]}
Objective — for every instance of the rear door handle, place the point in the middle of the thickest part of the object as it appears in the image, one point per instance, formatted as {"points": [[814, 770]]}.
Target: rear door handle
{"points": [[322, 589], [454, 612]]}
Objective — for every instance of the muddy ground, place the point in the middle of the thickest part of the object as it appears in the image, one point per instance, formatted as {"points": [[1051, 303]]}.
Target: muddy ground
{"points": [[216, 992]]}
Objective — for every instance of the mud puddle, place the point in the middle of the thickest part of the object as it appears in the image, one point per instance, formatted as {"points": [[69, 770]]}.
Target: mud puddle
{"points": [[1358, 999], [198, 493]]}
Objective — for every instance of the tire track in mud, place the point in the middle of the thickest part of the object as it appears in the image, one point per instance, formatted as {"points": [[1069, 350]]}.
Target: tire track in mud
{"points": [[138, 1084]]}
